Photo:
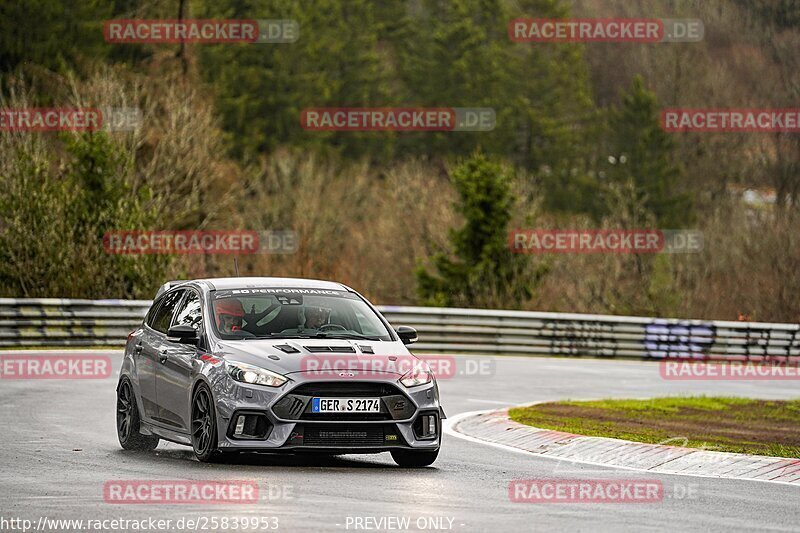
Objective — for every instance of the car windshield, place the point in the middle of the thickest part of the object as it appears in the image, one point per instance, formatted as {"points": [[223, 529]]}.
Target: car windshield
{"points": [[254, 313]]}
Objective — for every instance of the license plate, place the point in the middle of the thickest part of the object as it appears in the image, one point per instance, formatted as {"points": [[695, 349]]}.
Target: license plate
{"points": [[346, 405]]}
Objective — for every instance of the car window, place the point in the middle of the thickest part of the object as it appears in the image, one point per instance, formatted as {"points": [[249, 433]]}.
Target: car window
{"points": [[189, 313], [277, 311], [164, 314], [368, 326], [151, 314]]}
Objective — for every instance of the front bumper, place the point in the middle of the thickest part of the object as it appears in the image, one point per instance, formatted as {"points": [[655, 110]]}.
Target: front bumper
{"points": [[281, 419]]}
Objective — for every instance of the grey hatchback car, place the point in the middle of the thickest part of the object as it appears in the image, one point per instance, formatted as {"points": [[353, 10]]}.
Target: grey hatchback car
{"points": [[275, 365]]}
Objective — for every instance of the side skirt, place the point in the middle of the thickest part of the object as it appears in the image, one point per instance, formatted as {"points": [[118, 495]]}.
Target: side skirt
{"points": [[166, 434]]}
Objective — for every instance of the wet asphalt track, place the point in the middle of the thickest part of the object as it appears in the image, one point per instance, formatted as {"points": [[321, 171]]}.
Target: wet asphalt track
{"points": [[44, 421]]}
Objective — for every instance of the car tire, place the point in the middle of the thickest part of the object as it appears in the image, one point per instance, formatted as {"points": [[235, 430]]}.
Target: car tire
{"points": [[128, 422], [413, 459], [204, 426]]}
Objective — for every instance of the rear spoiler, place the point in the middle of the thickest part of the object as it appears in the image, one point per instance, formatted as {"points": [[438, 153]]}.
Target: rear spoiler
{"points": [[168, 285]]}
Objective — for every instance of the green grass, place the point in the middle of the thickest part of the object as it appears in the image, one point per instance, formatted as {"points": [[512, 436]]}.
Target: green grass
{"points": [[741, 425]]}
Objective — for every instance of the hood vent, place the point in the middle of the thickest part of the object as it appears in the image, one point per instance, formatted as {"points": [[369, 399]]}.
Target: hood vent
{"points": [[330, 349], [285, 348]]}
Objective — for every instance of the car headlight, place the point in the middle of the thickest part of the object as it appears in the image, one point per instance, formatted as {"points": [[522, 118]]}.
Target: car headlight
{"points": [[254, 375], [419, 375]]}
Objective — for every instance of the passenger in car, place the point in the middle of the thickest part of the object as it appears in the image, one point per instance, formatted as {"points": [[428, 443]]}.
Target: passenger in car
{"points": [[316, 317]]}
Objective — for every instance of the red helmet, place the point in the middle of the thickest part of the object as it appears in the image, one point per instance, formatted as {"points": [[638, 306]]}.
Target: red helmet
{"points": [[231, 307]]}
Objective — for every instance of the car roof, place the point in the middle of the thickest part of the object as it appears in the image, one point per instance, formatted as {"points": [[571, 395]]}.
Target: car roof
{"points": [[300, 283]]}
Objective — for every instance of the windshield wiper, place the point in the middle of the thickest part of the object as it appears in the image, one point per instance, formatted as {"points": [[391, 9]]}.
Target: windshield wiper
{"points": [[334, 335], [318, 335], [279, 336]]}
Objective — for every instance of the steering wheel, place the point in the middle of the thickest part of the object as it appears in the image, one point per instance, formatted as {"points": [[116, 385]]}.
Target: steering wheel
{"points": [[325, 327]]}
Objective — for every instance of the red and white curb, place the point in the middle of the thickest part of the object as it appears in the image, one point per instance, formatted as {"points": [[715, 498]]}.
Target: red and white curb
{"points": [[497, 429]]}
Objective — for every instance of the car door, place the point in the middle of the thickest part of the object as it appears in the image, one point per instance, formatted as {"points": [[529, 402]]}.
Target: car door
{"points": [[146, 362], [155, 345], [174, 379]]}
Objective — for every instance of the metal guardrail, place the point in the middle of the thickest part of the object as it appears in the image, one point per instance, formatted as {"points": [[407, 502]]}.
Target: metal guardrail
{"points": [[62, 323], [59, 322]]}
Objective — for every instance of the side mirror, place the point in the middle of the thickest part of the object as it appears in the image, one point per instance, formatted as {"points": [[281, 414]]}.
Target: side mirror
{"points": [[184, 334], [407, 334]]}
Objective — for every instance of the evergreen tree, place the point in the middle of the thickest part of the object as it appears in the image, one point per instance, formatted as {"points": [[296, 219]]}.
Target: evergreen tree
{"points": [[483, 271], [262, 89], [640, 151]]}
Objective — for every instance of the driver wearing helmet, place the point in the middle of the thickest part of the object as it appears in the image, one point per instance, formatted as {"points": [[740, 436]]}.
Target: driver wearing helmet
{"points": [[316, 317], [230, 315]]}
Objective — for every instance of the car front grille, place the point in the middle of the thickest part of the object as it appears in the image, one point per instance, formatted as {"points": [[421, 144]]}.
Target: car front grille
{"points": [[356, 389], [347, 435], [296, 405]]}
